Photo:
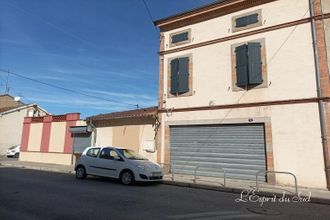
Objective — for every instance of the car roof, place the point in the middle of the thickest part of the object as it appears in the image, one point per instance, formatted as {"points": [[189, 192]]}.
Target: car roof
{"points": [[120, 148]]}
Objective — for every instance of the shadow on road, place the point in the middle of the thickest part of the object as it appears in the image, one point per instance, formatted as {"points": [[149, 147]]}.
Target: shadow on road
{"points": [[116, 181]]}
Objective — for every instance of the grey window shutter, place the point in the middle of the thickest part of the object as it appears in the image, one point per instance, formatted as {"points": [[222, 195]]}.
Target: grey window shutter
{"points": [[241, 65], [247, 20], [183, 74], [180, 37], [174, 76], [241, 22], [251, 19], [255, 63]]}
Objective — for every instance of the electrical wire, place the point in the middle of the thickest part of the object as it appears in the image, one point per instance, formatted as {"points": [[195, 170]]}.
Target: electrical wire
{"points": [[149, 14], [68, 90]]}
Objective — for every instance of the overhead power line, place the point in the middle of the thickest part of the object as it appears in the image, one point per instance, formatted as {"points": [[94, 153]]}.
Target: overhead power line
{"points": [[67, 90], [149, 14]]}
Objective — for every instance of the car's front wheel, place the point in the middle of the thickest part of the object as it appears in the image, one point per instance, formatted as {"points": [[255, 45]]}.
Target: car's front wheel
{"points": [[80, 172], [127, 177]]}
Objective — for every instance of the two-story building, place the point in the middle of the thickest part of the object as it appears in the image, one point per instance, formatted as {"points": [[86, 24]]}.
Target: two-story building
{"points": [[244, 86]]}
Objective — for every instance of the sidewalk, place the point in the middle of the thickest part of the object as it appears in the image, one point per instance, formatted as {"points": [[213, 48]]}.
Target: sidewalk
{"points": [[237, 186], [38, 166], [233, 186]]}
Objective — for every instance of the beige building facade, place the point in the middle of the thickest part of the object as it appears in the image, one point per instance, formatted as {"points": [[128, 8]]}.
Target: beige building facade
{"points": [[48, 139], [133, 130], [238, 90]]}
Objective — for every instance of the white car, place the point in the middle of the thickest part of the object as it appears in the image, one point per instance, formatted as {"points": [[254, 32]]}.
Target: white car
{"points": [[120, 163], [13, 151]]}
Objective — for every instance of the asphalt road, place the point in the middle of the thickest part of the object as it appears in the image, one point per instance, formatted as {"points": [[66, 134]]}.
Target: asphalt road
{"points": [[29, 194]]}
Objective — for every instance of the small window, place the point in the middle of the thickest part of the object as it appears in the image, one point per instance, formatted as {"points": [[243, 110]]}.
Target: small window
{"points": [[179, 37], [248, 64], [93, 152], [179, 76], [247, 20]]}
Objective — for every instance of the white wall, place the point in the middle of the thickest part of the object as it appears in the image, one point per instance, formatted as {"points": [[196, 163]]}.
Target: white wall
{"points": [[297, 144], [147, 134], [11, 126], [104, 136]]}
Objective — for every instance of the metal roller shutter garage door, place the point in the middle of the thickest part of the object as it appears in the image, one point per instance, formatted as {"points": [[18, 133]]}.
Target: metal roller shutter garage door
{"points": [[238, 149]]}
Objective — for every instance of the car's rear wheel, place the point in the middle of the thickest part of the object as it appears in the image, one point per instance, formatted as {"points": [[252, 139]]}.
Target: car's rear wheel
{"points": [[127, 177], [80, 172]]}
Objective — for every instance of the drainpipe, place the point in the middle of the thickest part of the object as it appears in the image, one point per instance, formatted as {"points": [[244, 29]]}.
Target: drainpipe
{"points": [[319, 92], [94, 131]]}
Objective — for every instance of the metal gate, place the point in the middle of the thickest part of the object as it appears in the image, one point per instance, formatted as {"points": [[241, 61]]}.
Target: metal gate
{"points": [[238, 149], [81, 138]]}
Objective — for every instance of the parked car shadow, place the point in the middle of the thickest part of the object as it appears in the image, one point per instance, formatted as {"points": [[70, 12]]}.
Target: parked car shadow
{"points": [[116, 181]]}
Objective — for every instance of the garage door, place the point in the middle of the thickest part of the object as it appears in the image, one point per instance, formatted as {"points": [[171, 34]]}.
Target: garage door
{"points": [[239, 149]]}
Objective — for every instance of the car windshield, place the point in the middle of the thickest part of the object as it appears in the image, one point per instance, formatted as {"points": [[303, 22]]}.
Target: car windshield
{"points": [[12, 147], [129, 154]]}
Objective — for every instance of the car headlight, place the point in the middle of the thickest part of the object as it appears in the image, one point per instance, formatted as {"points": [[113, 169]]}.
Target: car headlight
{"points": [[142, 167]]}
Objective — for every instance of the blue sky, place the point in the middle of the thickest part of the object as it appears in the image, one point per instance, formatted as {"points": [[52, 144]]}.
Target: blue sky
{"points": [[105, 48]]}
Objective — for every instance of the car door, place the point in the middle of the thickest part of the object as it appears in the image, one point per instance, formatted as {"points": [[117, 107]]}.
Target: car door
{"points": [[90, 159], [118, 162], [106, 163]]}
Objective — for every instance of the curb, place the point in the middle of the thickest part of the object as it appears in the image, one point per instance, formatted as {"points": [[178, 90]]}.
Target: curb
{"points": [[316, 200], [38, 168]]}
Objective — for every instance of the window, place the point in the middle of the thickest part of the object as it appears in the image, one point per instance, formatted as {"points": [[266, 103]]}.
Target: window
{"points": [[247, 20], [129, 154], [179, 38], [179, 76], [109, 154], [248, 64], [93, 152]]}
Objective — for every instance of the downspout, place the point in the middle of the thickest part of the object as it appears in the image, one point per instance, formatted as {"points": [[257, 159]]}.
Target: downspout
{"points": [[94, 131], [319, 92]]}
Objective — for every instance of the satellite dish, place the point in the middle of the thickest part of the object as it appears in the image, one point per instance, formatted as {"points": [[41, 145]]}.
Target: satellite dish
{"points": [[17, 98]]}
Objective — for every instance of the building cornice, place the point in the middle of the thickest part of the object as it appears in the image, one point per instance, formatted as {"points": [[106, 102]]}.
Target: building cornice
{"points": [[246, 105], [206, 12]]}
